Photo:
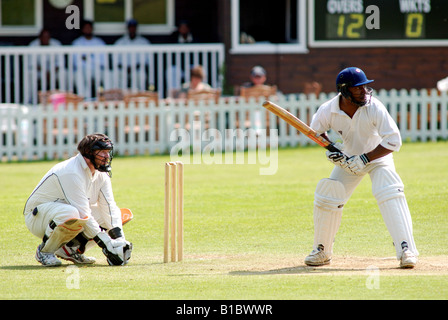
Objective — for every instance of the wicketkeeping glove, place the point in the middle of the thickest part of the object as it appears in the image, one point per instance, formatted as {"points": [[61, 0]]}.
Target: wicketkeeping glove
{"points": [[117, 252]]}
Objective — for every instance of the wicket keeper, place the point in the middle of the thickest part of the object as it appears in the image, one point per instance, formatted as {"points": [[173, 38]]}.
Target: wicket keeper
{"points": [[73, 203], [369, 136]]}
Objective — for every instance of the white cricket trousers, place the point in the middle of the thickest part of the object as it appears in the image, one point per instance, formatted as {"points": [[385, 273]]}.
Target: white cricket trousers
{"points": [[60, 213], [47, 212], [388, 189]]}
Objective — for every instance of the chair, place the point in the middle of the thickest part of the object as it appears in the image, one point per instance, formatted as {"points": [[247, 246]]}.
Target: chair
{"points": [[56, 97], [9, 126], [46, 97], [141, 96], [59, 99], [112, 95], [144, 97], [204, 95], [258, 91]]}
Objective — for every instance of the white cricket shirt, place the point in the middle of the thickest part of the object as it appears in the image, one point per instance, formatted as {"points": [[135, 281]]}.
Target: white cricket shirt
{"points": [[137, 41], [71, 182], [370, 126], [93, 42]]}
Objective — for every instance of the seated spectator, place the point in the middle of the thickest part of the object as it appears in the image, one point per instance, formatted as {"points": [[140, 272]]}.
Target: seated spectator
{"points": [[196, 82], [44, 39], [257, 86], [88, 39], [183, 33], [132, 37], [257, 77], [135, 60], [43, 64]]}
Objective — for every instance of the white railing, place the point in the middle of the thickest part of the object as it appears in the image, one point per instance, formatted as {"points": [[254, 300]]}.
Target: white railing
{"points": [[25, 71], [41, 132]]}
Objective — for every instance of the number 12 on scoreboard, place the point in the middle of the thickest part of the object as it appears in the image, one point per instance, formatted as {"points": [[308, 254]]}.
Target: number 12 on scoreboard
{"points": [[349, 26]]}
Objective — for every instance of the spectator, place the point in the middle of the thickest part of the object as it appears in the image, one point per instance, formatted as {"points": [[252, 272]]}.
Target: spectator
{"points": [[42, 63], [196, 82], [257, 77], [88, 63], [256, 86], [133, 60], [87, 37], [44, 39], [132, 37], [183, 33]]}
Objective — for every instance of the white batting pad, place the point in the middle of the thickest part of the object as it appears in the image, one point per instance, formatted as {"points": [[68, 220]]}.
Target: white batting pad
{"points": [[397, 218], [328, 203], [395, 211], [62, 234]]}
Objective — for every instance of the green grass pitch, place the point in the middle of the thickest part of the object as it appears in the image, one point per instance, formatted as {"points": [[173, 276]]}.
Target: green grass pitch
{"points": [[246, 234]]}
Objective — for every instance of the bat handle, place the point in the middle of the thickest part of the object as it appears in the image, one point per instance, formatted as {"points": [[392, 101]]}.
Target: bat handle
{"points": [[331, 147]]}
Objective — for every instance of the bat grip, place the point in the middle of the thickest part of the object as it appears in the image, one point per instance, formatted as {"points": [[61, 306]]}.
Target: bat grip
{"points": [[331, 147]]}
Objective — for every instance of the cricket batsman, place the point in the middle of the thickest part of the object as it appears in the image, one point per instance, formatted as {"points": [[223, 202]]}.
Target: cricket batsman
{"points": [[369, 137], [73, 203]]}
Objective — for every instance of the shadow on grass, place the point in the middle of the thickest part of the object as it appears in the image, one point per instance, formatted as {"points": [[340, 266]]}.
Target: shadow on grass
{"points": [[65, 265], [304, 270], [41, 267]]}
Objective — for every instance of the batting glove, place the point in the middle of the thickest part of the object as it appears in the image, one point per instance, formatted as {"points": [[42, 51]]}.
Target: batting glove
{"points": [[356, 164], [336, 157]]}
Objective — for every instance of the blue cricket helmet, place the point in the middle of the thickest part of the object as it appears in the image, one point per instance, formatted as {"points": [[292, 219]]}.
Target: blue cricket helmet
{"points": [[351, 77]]}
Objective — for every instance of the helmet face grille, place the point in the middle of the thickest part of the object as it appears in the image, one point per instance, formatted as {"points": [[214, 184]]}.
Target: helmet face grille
{"points": [[90, 146], [103, 144]]}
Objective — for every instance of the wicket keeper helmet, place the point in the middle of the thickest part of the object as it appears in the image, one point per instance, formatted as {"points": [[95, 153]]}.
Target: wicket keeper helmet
{"points": [[91, 144], [350, 77]]}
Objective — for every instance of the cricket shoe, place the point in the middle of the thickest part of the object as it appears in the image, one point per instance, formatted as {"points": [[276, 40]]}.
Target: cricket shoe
{"points": [[71, 254], [47, 259], [317, 257], [408, 259]]}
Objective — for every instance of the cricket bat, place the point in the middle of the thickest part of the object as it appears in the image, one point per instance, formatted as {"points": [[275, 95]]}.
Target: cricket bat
{"points": [[299, 125]]}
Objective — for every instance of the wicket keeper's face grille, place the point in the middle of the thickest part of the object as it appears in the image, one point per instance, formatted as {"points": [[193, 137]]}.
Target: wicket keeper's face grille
{"points": [[91, 147]]}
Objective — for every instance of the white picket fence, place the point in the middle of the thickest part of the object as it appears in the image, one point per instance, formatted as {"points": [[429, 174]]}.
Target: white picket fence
{"points": [[41, 132]]}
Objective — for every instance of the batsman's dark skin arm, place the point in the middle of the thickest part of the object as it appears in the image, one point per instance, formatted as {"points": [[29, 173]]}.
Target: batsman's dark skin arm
{"points": [[376, 153]]}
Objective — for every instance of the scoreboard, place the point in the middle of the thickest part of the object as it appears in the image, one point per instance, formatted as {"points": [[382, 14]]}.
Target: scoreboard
{"points": [[368, 23]]}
